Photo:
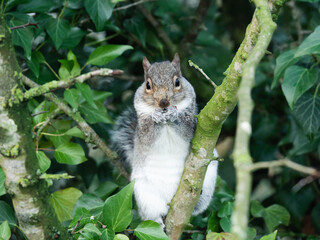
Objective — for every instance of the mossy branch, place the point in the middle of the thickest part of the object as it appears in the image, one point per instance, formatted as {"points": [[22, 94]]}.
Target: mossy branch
{"points": [[91, 135], [210, 121], [242, 157], [53, 85]]}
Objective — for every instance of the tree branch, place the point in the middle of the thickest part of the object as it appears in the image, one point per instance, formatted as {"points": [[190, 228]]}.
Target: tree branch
{"points": [[185, 45], [285, 162], [157, 26], [83, 125], [242, 157], [53, 85], [210, 121], [24, 26]]}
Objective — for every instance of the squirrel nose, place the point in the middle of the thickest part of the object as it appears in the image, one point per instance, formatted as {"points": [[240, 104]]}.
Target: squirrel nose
{"points": [[164, 103]]}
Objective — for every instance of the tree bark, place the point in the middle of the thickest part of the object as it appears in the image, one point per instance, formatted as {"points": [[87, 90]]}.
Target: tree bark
{"points": [[18, 160], [210, 121]]}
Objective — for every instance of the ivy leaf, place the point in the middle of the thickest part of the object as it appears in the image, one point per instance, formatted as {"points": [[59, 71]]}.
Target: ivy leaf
{"points": [[283, 61], [7, 214], [43, 160], [307, 112], [22, 37], [2, 180], [150, 230], [58, 29], [225, 224], [63, 202], [219, 236], [276, 215], [99, 11], [107, 234], [72, 97], [69, 153], [76, 70], [37, 6], [5, 231], [226, 209], [65, 69], [137, 27], [93, 115], [86, 92], [271, 236], [120, 237], [104, 54], [256, 209], [82, 214], [91, 232], [297, 80], [91, 203], [311, 45], [34, 63], [105, 189], [73, 37], [75, 132], [117, 213]]}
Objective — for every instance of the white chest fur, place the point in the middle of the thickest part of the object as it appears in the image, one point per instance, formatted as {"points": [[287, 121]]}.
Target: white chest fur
{"points": [[164, 163]]}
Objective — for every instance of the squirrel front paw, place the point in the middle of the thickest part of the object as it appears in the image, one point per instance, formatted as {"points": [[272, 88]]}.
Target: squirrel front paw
{"points": [[163, 116]]}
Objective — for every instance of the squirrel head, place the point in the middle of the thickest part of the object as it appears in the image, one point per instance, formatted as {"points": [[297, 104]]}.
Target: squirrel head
{"points": [[163, 84]]}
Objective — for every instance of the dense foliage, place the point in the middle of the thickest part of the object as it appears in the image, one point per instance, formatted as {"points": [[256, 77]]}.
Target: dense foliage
{"points": [[69, 38]]}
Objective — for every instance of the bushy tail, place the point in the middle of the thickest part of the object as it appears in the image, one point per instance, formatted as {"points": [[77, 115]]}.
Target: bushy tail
{"points": [[122, 135], [209, 184]]}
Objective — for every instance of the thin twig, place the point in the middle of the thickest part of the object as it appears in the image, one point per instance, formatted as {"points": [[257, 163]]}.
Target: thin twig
{"points": [[25, 25], [75, 226], [131, 5], [83, 126], [285, 162], [192, 64], [38, 113]]}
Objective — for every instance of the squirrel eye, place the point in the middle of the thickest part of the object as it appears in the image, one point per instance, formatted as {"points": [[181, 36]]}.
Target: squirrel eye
{"points": [[148, 85], [176, 81]]}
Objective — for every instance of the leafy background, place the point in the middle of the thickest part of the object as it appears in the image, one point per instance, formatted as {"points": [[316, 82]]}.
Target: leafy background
{"points": [[75, 36]]}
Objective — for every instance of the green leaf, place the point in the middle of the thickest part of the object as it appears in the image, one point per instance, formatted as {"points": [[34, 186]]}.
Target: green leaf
{"points": [[7, 214], [65, 69], [60, 140], [219, 236], [73, 38], [5, 231], [137, 27], [104, 54], [150, 230], [91, 203], [307, 112], [225, 224], [93, 115], [70, 153], [34, 63], [72, 97], [99, 11], [81, 214], [271, 236], [226, 209], [117, 213], [63, 202], [276, 215], [75, 132], [37, 6], [22, 37], [76, 70], [58, 29], [86, 93], [256, 209], [120, 237], [2, 180], [43, 160], [251, 233], [283, 61], [297, 80], [100, 96], [311, 45], [105, 189], [107, 234], [213, 222], [90, 232]]}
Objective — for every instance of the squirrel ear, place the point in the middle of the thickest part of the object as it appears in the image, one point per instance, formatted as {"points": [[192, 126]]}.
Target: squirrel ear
{"points": [[176, 62], [146, 64]]}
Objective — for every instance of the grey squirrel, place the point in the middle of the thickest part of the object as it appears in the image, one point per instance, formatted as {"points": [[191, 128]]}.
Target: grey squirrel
{"points": [[154, 139]]}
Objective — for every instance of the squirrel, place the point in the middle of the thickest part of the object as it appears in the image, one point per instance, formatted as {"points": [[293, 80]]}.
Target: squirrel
{"points": [[154, 139]]}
